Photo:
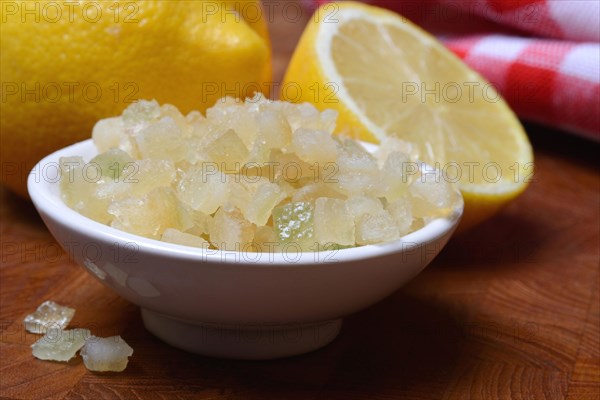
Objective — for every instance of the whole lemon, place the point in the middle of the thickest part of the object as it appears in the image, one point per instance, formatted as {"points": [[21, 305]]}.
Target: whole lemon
{"points": [[65, 65]]}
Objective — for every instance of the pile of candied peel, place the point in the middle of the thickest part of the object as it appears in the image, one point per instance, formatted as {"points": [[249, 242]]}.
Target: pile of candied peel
{"points": [[251, 176]]}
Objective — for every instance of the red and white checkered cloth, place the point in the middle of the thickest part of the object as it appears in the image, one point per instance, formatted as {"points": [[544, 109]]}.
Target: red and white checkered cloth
{"points": [[542, 55]]}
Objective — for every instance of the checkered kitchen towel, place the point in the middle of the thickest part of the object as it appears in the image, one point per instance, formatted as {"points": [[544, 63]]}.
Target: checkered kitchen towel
{"points": [[542, 55]]}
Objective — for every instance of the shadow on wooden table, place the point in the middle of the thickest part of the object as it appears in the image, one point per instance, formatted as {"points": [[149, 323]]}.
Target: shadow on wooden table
{"points": [[13, 205], [398, 344], [510, 238]]}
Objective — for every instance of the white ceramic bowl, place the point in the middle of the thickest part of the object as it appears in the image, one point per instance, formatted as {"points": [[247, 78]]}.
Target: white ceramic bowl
{"points": [[233, 304]]}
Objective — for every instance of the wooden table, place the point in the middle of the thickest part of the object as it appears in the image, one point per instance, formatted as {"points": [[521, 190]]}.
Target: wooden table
{"points": [[509, 310]]}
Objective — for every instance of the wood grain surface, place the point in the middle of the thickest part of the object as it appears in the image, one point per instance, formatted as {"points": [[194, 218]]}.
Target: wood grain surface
{"points": [[510, 310]]}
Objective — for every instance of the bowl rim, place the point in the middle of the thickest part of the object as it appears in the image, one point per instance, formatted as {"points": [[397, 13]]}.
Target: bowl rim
{"points": [[49, 203]]}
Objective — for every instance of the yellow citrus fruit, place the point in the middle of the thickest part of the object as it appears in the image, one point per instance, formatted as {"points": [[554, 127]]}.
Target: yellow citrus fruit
{"points": [[65, 65], [388, 78]]}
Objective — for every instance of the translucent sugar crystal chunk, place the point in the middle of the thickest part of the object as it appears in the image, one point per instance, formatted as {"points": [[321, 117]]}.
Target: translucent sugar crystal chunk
{"points": [[106, 354], [289, 167], [432, 195], [377, 228], [353, 158], [314, 146], [312, 191], [79, 183], [198, 222], [274, 131], [149, 215], [162, 140], [194, 117], [112, 163], [74, 188], [258, 155], [60, 345], [129, 145], [266, 238], [204, 188], [306, 115], [398, 172], [202, 131], [294, 223], [286, 188], [352, 148], [228, 152], [331, 222], [48, 315], [394, 145], [149, 174], [259, 200], [328, 120], [240, 192], [223, 104], [359, 205], [401, 212], [238, 116], [265, 199], [141, 113], [169, 110], [230, 231], [357, 170], [176, 236], [107, 133], [138, 178], [300, 115]]}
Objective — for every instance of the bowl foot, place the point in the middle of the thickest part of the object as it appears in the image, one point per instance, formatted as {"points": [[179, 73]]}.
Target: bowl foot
{"points": [[242, 341]]}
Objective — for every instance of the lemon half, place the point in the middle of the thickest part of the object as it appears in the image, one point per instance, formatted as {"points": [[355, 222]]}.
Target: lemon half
{"points": [[388, 78]]}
